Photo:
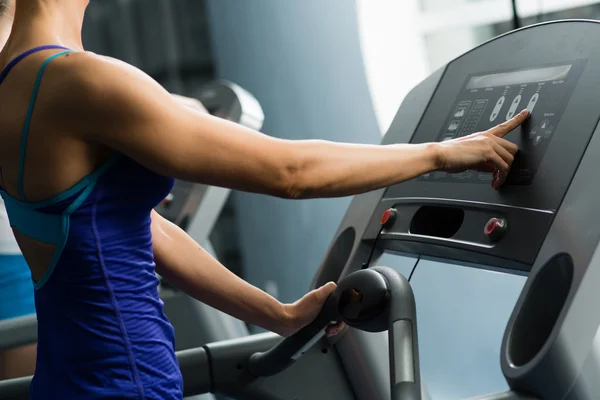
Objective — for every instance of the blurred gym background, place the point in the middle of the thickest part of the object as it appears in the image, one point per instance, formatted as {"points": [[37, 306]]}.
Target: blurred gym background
{"points": [[334, 69]]}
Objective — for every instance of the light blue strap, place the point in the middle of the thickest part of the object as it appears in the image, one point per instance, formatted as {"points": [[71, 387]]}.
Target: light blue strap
{"points": [[36, 89]]}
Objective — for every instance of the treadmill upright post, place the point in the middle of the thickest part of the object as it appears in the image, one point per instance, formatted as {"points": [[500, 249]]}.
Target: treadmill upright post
{"points": [[405, 377]]}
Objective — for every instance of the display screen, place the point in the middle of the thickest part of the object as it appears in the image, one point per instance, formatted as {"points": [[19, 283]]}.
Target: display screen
{"points": [[519, 77], [489, 99]]}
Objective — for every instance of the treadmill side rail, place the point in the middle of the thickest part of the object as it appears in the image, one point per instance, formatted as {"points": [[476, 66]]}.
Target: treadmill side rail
{"points": [[506, 396], [195, 369], [15, 389], [221, 368], [322, 376], [18, 331]]}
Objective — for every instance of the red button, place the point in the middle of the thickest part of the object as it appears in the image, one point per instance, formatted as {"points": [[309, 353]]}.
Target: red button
{"points": [[495, 228], [491, 225], [388, 216]]}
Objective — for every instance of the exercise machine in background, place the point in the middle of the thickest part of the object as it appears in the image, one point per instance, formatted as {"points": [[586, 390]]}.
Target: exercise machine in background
{"points": [[195, 208]]}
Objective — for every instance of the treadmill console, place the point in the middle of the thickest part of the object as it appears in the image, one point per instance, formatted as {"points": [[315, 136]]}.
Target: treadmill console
{"points": [[550, 71], [487, 99]]}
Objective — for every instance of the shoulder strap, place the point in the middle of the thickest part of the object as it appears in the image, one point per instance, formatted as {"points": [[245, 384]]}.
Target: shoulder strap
{"points": [[21, 56], [25, 133]]}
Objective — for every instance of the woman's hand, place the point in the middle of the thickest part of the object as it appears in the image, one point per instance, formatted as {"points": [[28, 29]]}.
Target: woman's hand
{"points": [[305, 310], [482, 151]]}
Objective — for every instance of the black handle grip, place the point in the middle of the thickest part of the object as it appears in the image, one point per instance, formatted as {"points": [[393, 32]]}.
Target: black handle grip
{"points": [[402, 331], [291, 348]]}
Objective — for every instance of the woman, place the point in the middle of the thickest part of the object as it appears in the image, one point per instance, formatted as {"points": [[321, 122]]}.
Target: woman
{"points": [[90, 145], [16, 290]]}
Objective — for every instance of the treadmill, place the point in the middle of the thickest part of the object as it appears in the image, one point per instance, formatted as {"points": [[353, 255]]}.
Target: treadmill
{"points": [[541, 226], [505, 282]]}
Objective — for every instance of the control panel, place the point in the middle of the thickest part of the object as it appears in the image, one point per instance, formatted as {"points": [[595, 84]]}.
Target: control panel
{"points": [[458, 215], [486, 100]]}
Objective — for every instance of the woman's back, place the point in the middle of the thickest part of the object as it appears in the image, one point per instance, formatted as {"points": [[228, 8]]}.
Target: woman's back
{"points": [[81, 215]]}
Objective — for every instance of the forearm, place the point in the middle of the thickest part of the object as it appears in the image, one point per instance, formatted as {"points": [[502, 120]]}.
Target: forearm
{"points": [[328, 169], [190, 268]]}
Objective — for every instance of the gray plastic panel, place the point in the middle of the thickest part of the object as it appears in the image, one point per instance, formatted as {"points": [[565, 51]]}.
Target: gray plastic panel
{"points": [[462, 313], [575, 232], [361, 352], [587, 385], [468, 243], [314, 376]]}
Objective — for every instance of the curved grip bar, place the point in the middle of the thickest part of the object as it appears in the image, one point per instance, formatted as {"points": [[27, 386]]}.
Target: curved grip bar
{"points": [[286, 352], [372, 300], [405, 377]]}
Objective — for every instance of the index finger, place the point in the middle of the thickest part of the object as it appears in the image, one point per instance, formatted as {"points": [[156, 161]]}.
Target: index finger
{"points": [[506, 127]]}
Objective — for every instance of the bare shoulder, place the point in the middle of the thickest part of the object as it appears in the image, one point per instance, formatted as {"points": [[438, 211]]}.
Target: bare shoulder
{"points": [[98, 93], [85, 78]]}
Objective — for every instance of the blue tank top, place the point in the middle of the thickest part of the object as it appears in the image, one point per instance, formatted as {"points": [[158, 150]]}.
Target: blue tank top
{"points": [[102, 332]]}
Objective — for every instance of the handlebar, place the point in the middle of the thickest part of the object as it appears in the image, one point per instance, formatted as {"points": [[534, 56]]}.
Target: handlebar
{"points": [[374, 300], [286, 352], [405, 379]]}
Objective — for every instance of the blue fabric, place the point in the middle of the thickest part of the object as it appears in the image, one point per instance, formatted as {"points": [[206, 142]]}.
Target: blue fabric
{"points": [[16, 288], [102, 332]]}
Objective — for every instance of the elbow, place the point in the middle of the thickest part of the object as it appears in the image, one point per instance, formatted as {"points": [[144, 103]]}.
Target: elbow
{"points": [[295, 192], [292, 175], [292, 187]]}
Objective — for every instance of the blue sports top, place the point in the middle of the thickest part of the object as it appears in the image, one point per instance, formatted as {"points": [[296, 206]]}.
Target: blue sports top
{"points": [[102, 332]]}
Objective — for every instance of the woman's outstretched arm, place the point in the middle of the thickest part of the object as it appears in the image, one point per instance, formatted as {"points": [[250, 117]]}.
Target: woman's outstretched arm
{"points": [[114, 104]]}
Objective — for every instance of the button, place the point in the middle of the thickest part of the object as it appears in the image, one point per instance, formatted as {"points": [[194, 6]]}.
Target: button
{"points": [[513, 107], [388, 217], [495, 229], [453, 126], [533, 133], [533, 102], [460, 112], [497, 109]]}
